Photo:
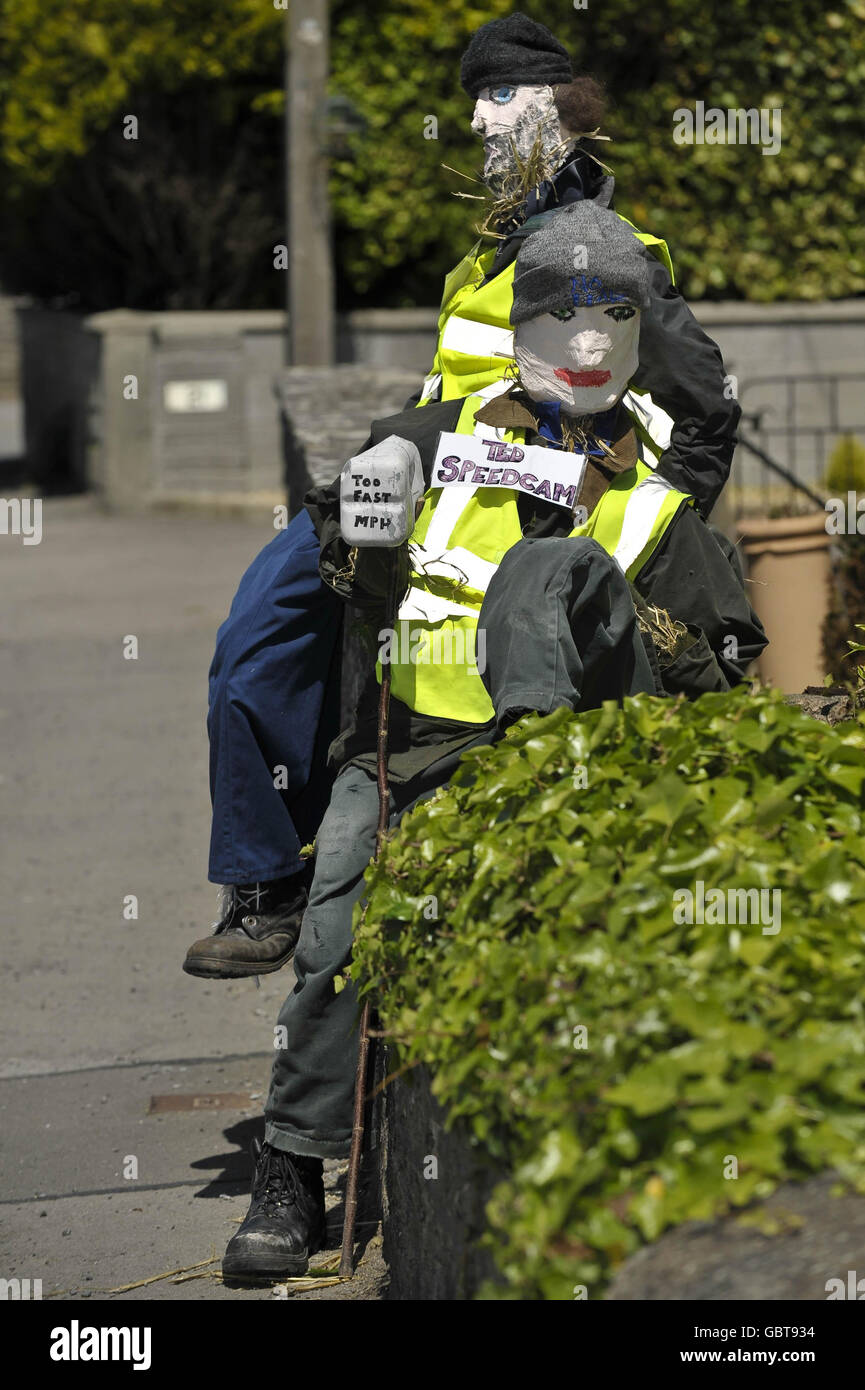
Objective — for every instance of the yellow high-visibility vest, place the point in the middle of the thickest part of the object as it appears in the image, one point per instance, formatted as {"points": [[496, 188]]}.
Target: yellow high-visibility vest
{"points": [[460, 539]]}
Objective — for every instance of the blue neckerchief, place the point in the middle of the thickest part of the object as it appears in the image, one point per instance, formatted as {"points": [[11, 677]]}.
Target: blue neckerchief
{"points": [[549, 416]]}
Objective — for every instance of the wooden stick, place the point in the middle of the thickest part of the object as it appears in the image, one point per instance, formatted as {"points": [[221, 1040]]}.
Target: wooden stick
{"points": [[346, 1259], [346, 1262]]}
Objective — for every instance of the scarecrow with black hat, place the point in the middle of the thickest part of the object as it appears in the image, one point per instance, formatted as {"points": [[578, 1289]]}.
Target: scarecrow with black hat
{"points": [[274, 700]]}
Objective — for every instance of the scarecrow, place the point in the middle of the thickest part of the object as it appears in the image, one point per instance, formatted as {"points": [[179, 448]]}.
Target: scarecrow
{"points": [[531, 519], [274, 680]]}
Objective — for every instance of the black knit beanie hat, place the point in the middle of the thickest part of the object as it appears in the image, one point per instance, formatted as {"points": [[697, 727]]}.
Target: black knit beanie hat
{"points": [[515, 52]]}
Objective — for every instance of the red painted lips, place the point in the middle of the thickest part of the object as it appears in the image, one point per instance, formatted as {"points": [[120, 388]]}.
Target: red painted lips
{"points": [[582, 378]]}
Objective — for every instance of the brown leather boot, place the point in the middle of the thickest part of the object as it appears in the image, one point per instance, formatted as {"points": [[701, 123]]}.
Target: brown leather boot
{"points": [[257, 932]]}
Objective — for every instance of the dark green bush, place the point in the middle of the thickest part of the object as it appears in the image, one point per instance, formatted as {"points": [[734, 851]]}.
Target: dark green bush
{"points": [[845, 471], [740, 225], [705, 1042], [204, 178]]}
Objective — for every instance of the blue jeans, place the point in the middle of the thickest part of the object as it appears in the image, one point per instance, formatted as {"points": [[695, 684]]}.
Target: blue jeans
{"points": [[273, 704]]}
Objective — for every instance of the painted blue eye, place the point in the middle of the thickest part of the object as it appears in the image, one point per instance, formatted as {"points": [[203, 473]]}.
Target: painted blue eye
{"points": [[502, 95]]}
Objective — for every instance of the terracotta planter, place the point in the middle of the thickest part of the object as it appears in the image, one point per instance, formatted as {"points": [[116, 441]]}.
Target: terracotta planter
{"points": [[788, 566]]}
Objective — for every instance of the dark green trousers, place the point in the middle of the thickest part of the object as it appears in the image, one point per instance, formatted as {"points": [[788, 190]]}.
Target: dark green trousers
{"points": [[561, 630]]}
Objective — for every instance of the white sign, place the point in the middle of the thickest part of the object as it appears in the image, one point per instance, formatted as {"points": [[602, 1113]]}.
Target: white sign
{"points": [[185, 396], [473, 461]]}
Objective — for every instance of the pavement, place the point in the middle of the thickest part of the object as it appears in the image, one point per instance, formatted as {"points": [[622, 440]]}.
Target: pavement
{"points": [[129, 1091]]}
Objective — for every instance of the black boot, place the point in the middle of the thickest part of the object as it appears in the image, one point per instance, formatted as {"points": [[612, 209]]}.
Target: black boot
{"points": [[257, 932], [285, 1222]]}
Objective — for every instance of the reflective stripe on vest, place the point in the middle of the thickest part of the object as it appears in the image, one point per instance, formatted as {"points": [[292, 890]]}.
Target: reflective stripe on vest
{"points": [[632, 516], [472, 338], [652, 422], [457, 545], [459, 541], [430, 389]]}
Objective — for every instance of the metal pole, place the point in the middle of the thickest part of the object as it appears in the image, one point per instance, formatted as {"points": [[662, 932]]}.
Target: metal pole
{"points": [[781, 471], [310, 274]]}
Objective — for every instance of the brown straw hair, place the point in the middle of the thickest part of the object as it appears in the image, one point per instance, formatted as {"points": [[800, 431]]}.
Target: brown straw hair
{"points": [[581, 105]]}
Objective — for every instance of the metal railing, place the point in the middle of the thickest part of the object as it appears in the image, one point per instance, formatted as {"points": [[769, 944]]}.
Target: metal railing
{"points": [[791, 435]]}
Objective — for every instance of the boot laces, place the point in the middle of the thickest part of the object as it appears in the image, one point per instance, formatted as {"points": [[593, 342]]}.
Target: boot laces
{"points": [[235, 899], [276, 1181]]}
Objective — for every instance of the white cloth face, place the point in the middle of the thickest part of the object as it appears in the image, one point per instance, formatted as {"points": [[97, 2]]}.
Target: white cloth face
{"points": [[582, 357], [505, 114]]}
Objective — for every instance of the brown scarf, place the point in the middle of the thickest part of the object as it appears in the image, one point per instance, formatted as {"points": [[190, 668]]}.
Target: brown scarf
{"points": [[513, 411]]}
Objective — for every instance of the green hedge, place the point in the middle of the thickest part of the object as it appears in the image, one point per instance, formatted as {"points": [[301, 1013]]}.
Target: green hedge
{"points": [[205, 173], [740, 225], [553, 890]]}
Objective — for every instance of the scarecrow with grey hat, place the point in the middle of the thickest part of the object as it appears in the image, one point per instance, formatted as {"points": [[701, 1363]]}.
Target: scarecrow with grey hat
{"points": [[538, 561]]}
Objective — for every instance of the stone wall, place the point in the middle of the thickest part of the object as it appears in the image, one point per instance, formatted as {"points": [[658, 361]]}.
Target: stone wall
{"points": [[778, 354], [326, 414], [431, 1225], [816, 1237], [79, 425], [188, 408], [9, 350]]}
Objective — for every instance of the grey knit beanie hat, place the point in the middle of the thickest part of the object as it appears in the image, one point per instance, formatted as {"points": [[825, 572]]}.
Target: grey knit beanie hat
{"points": [[514, 52], [580, 255]]}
